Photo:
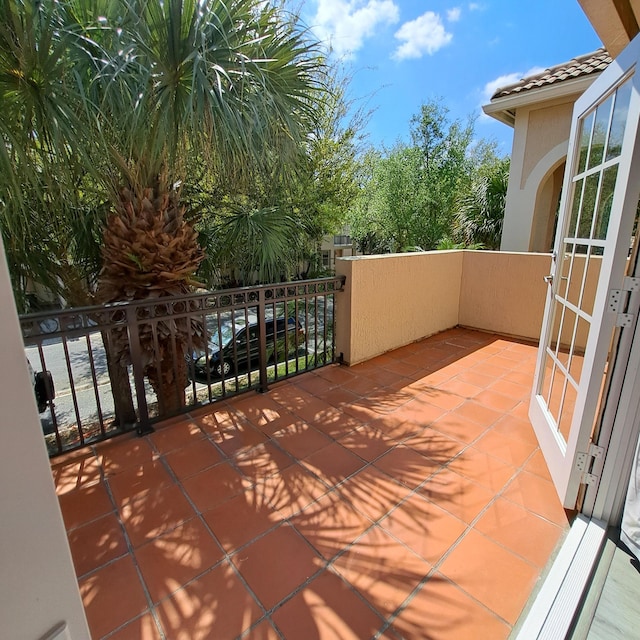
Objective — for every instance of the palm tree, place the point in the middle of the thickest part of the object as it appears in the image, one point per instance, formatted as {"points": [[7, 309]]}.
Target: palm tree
{"points": [[147, 86], [35, 123], [256, 244], [480, 211]]}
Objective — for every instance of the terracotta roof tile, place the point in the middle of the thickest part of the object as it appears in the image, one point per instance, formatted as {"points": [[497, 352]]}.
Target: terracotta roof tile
{"points": [[579, 66]]}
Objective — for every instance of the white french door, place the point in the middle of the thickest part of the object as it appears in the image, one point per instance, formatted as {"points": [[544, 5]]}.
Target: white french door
{"points": [[586, 300]]}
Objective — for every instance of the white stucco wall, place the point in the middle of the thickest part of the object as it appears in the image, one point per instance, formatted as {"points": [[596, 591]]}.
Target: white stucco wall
{"points": [[38, 587]]}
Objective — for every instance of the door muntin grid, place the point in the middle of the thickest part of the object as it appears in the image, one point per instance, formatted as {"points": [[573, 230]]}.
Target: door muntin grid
{"points": [[580, 255]]}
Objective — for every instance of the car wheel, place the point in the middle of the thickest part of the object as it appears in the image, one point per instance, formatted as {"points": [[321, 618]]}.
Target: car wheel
{"points": [[223, 369]]}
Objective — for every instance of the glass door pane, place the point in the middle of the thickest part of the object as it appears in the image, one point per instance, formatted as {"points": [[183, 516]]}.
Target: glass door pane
{"points": [[580, 257]]}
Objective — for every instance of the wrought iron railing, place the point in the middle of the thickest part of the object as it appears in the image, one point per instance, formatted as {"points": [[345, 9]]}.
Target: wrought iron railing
{"points": [[125, 366]]}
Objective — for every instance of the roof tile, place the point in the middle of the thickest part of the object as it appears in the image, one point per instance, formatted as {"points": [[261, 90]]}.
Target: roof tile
{"points": [[583, 65]]}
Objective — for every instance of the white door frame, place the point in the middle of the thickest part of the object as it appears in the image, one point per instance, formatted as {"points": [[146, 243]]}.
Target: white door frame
{"points": [[561, 456], [620, 439]]}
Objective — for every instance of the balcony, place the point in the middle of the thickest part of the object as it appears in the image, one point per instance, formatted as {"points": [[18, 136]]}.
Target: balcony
{"points": [[342, 241], [402, 496]]}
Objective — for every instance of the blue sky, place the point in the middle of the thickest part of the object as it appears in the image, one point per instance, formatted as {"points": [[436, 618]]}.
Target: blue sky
{"points": [[401, 53]]}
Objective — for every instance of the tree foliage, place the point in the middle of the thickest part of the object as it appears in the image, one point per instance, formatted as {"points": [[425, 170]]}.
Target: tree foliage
{"points": [[107, 104], [271, 229], [408, 198], [480, 210], [101, 95]]}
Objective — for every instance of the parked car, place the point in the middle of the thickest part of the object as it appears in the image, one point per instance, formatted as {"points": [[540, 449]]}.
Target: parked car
{"points": [[234, 347]]}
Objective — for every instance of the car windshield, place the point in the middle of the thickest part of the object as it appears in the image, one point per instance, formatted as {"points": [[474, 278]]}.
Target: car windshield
{"points": [[220, 337], [220, 332]]}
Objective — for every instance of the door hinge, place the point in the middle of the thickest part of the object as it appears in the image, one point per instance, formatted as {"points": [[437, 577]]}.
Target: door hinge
{"points": [[616, 300], [631, 284], [616, 304], [583, 463], [589, 478], [624, 319]]}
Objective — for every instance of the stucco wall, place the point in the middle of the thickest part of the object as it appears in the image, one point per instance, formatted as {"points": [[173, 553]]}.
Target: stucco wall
{"points": [[38, 587], [540, 142], [515, 236], [504, 292], [393, 300], [545, 129], [544, 217]]}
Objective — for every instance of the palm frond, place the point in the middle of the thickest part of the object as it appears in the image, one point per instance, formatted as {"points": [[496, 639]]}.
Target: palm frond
{"points": [[256, 242]]}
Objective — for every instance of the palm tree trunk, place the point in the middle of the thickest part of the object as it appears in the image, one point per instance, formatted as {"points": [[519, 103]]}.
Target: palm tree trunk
{"points": [[168, 381], [151, 253], [125, 412]]}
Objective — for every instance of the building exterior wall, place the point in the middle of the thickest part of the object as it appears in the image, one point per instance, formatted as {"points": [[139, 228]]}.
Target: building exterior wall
{"points": [[541, 136], [395, 299], [546, 128], [504, 292], [615, 21], [392, 300], [335, 246], [38, 588], [545, 215]]}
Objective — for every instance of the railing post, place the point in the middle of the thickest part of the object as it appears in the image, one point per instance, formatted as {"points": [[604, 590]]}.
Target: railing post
{"points": [[262, 340], [135, 350]]}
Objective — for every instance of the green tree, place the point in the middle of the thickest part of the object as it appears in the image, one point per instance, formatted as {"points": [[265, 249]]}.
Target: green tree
{"points": [[271, 229], [367, 220], [407, 196], [446, 150], [39, 172], [327, 186]]}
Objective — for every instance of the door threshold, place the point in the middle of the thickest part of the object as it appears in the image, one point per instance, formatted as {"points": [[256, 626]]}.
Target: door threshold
{"points": [[553, 611], [609, 606]]}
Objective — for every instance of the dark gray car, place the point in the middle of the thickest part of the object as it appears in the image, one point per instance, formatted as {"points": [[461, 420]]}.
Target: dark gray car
{"points": [[235, 348]]}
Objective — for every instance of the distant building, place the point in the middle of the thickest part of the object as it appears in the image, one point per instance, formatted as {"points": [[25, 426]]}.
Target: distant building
{"points": [[337, 246]]}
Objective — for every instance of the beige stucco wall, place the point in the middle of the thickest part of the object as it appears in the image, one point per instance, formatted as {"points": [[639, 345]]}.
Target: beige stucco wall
{"points": [[393, 300], [390, 301], [38, 587], [614, 21], [544, 217], [546, 127], [540, 142], [504, 292]]}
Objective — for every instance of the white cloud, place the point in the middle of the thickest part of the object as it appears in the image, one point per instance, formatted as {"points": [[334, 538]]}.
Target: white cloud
{"points": [[345, 24], [475, 6], [502, 81], [453, 15], [425, 34]]}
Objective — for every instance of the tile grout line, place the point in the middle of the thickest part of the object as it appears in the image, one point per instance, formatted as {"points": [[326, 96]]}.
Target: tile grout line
{"points": [[368, 464], [143, 584], [226, 557]]}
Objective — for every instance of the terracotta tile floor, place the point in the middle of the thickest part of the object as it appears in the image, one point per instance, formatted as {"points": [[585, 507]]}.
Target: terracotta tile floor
{"points": [[401, 498]]}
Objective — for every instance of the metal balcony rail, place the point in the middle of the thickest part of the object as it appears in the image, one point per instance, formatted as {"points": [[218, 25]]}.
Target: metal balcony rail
{"points": [[342, 240], [102, 370]]}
